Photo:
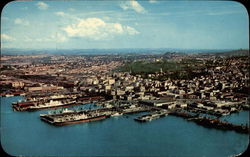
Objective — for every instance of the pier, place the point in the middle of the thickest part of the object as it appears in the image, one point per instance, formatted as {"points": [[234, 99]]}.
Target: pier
{"points": [[62, 100], [214, 113], [152, 116], [70, 117], [212, 123]]}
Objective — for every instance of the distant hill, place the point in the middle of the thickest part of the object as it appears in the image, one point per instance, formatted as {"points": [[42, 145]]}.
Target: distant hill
{"points": [[166, 52], [169, 55], [240, 52]]}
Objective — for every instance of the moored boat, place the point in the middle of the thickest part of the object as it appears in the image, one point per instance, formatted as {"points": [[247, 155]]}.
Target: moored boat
{"points": [[72, 117], [53, 105], [116, 114], [40, 105]]}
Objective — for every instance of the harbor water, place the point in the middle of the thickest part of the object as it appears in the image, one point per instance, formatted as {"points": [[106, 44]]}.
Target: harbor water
{"points": [[24, 134]]}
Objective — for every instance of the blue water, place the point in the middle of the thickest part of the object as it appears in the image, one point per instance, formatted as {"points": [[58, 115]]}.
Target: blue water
{"points": [[23, 133]]}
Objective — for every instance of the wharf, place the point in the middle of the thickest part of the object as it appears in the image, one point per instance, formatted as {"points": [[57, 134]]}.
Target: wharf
{"points": [[70, 117], [155, 113], [10, 94], [215, 123], [199, 110], [245, 107], [212, 123], [135, 110], [152, 116]]}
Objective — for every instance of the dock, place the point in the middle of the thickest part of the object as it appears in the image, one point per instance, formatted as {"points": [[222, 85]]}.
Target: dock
{"points": [[152, 116], [212, 123], [214, 113], [154, 113]]}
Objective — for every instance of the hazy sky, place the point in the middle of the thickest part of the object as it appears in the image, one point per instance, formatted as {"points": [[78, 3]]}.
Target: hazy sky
{"points": [[125, 24]]}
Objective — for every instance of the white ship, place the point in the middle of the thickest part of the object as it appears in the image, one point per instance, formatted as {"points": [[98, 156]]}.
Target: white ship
{"points": [[53, 104]]}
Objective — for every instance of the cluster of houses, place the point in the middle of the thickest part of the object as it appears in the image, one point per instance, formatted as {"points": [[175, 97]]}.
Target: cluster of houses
{"points": [[224, 81], [218, 86]]}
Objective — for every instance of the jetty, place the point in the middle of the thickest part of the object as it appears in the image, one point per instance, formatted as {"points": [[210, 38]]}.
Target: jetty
{"points": [[152, 116], [212, 123]]}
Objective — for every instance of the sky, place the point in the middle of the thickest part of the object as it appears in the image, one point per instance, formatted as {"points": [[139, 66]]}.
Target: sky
{"points": [[124, 24]]}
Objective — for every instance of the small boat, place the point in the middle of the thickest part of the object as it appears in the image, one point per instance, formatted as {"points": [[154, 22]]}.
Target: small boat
{"points": [[116, 114]]}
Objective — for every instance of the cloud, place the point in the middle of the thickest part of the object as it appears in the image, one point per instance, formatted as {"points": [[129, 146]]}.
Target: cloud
{"points": [[71, 9], [60, 13], [66, 15], [132, 5], [42, 6], [152, 1], [131, 30], [6, 37], [97, 29], [20, 21], [27, 39], [223, 13], [58, 37]]}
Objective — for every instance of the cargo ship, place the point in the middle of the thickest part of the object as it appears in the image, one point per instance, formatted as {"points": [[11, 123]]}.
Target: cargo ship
{"points": [[52, 104], [22, 105], [67, 117], [42, 97], [90, 99], [9, 94], [37, 105]]}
